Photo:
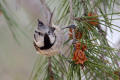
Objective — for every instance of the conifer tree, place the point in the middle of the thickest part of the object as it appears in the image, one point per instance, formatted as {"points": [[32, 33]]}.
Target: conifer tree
{"points": [[91, 57]]}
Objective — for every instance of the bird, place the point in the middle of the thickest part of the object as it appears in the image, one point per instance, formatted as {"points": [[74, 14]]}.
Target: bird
{"points": [[48, 40]]}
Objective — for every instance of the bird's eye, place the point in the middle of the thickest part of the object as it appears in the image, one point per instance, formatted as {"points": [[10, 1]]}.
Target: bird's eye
{"points": [[40, 23], [39, 33], [48, 32], [53, 29]]}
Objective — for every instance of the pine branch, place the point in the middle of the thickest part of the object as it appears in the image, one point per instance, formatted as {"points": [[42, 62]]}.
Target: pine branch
{"points": [[95, 67], [102, 33]]}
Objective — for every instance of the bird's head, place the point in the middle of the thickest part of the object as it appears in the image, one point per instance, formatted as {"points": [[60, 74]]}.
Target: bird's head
{"points": [[46, 33]]}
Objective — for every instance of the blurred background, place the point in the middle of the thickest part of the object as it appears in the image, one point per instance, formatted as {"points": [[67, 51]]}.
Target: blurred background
{"points": [[17, 54], [18, 18]]}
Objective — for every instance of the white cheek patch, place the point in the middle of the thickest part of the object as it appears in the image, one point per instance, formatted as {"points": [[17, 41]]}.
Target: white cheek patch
{"points": [[52, 38], [40, 41]]}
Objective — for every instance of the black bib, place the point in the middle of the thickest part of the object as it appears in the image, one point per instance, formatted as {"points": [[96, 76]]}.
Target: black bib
{"points": [[47, 43]]}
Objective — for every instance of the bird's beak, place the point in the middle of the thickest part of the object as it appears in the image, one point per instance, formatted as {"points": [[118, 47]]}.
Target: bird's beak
{"points": [[70, 26]]}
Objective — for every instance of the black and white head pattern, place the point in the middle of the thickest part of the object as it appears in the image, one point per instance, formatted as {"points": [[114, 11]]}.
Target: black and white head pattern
{"points": [[44, 36]]}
